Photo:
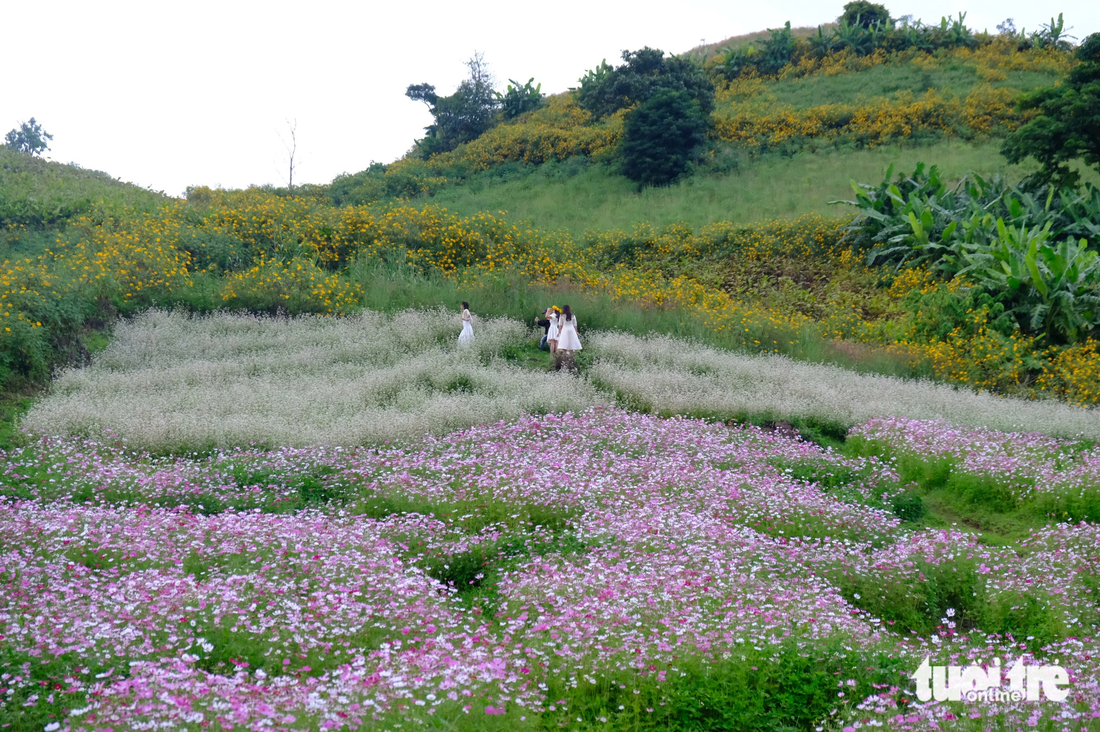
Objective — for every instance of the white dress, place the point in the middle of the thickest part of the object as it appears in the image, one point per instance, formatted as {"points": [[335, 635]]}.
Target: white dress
{"points": [[552, 332], [567, 336], [467, 334]]}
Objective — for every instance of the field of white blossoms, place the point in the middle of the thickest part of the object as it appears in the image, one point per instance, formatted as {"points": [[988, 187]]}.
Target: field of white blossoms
{"points": [[243, 523]]}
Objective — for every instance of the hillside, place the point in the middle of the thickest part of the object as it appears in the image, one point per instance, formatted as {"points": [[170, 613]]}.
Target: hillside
{"points": [[37, 193], [841, 101], [744, 250]]}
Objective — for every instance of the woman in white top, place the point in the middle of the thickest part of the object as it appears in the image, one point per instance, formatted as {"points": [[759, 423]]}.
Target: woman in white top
{"points": [[467, 334], [552, 332], [567, 331]]}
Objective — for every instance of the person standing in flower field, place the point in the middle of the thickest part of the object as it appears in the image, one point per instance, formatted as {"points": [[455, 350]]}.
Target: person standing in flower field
{"points": [[567, 332], [545, 322], [553, 315], [467, 334]]}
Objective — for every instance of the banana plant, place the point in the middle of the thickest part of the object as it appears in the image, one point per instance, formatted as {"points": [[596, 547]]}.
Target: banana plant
{"points": [[1054, 288], [821, 43], [884, 231]]}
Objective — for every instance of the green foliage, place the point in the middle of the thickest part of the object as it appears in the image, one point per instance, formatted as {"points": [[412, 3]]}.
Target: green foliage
{"points": [[1052, 35], [864, 14], [517, 99], [36, 193], [12, 407], [786, 687], [774, 53], [936, 314], [1054, 288], [777, 50], [606, 90], [919, 217], [1001, 238], [461, 117], [28, 138], [908, 507], [660, 136], [1068, 123], [864, 28]]}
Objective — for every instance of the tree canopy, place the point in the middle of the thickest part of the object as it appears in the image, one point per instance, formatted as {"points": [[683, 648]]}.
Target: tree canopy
{"points": [[606, 90], [865, 14], [28, 137], [1067, 127], [461, 117]]}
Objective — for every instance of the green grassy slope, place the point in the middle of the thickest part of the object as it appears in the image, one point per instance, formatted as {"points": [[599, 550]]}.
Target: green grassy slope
{"points": [[38, 195], [568, 196]]}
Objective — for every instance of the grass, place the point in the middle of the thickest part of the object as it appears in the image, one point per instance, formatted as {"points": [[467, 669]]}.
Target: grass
{"points": [[13, 405], [393, 289], [576, 198]]}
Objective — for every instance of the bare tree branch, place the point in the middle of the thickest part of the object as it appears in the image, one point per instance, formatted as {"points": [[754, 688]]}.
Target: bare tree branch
{"points": [[291, 150]]}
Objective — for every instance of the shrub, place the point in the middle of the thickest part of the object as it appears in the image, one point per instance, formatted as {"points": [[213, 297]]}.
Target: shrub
{"points": [[865, 14], [606, 90], [660, 136]]}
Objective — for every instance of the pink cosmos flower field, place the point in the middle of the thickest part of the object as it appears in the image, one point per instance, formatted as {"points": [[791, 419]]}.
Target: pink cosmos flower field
{"points": [[601, 570]]}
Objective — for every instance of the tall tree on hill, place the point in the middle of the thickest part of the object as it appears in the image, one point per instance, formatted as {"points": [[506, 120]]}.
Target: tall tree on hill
{"points": [[660, 136], [28, 137], [461, 117], [865, 14], [606, 90], [1068, 125]]}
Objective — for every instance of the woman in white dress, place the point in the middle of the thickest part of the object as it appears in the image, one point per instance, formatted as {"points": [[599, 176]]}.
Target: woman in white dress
{"points": [[567, 331], [467, 334], [552, 332]]}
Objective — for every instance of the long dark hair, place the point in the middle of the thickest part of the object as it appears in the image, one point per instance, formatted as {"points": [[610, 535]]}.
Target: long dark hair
{"points": [[567, 313], [465, 305]]}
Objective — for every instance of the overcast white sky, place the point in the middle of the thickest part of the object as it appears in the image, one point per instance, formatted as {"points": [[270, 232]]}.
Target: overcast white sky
{"points": [[168, 95]]}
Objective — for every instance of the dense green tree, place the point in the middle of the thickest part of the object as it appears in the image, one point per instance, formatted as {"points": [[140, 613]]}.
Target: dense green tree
{"points": [[606, 90], [1068, 124], [659, 137], [461, 117], [28, 137], [865, 14]]}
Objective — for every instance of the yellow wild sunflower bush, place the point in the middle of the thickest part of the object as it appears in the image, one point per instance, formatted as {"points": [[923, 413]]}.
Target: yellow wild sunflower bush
{"points": [[758, 125], [297, 286], [558, 130], [561, 129], [759, 113], [1072, 374]]}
